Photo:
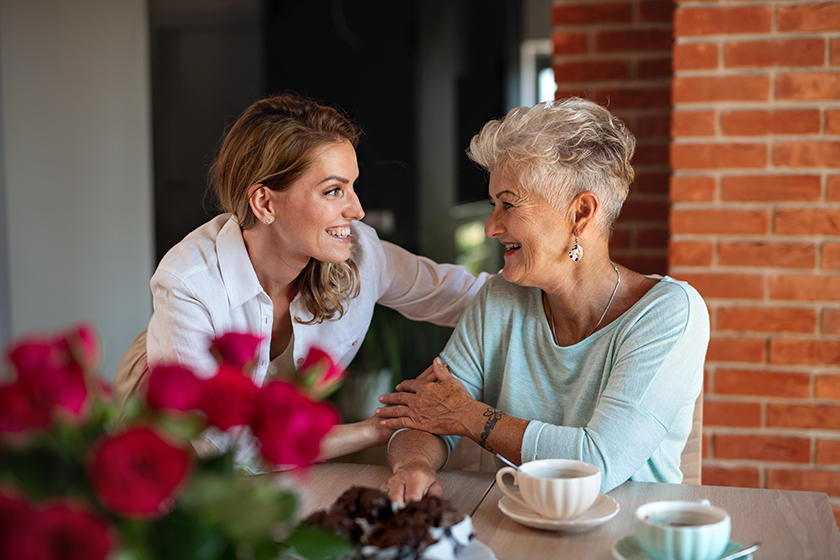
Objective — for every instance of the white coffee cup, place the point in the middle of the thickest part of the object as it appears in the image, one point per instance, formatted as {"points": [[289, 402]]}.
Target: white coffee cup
{"points": [[675, 530], [554, 488]]}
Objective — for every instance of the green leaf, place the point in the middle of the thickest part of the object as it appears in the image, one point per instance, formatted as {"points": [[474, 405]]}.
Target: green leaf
{"points": [[133, 537], [185, 427], [178, 536], [245, 508], [266, 551], [316, 543], [134, 408], [43, 472]]}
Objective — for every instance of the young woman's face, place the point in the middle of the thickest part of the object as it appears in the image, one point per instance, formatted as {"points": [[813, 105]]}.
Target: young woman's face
{"points": [[535, 234], [314, 214]]}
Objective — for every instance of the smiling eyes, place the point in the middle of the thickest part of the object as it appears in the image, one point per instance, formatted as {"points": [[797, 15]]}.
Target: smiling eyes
{"points": [[506, 205]]}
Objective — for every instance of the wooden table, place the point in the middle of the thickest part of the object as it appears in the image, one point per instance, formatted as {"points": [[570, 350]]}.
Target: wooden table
{"points": [[789, 525]]}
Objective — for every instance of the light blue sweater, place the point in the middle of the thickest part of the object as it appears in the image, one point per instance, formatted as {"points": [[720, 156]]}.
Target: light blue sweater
{"points": [[621, 399]]}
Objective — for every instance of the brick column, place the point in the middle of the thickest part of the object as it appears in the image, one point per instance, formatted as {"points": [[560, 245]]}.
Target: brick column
{"points": [[755, 227], [619, 54]]}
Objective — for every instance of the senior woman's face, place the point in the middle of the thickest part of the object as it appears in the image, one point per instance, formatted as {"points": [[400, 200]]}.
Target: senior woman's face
{"points": [[535, 234]]}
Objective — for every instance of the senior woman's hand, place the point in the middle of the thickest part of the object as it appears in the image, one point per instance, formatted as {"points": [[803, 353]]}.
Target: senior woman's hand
{"points": [[433, 403], [410, 482]]}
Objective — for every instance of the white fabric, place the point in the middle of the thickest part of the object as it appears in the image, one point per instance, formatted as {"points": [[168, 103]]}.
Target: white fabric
{"points": [[206, 286]]}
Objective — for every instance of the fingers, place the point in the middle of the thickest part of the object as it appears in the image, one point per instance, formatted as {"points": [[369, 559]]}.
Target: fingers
{"points": [[395, 490], [397, 423], [426, 376], [392, 412], [393, 399], [411, 485], [410, 385], [435, 490], [441, 370]]}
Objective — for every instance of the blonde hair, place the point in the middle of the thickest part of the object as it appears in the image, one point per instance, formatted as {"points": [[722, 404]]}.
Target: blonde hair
{"points": [[273, 143], [560, 149]]}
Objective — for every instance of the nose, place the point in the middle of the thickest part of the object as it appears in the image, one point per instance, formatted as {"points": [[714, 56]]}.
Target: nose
{"points": [[494, 227], [353, 210]]}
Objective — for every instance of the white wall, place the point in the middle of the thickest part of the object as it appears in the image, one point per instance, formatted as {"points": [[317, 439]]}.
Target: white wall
{"points": [[75, 150]]}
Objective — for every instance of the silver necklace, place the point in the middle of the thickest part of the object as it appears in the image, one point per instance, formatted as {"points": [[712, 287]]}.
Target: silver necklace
{"points": [[604, 314]]}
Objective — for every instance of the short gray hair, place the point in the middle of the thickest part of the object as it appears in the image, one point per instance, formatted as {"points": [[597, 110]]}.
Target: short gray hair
{"points": [[560, 149]]}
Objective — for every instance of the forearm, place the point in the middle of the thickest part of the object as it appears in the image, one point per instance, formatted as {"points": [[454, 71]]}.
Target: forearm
{"points": [[344, 439], [495, 431], [414, 447]]}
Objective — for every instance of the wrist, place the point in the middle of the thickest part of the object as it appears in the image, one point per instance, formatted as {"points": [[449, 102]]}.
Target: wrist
{"points": [[476, 414]]}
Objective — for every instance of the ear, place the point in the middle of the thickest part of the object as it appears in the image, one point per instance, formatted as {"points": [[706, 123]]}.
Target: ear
{"points": [[259, 198], [585, 207]]}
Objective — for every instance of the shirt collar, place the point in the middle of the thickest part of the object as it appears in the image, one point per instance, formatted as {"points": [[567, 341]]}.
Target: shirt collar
{"points": [[238, 273]]}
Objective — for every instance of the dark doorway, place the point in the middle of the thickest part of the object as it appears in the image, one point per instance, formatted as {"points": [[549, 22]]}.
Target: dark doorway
{"points": [[362, 56]]}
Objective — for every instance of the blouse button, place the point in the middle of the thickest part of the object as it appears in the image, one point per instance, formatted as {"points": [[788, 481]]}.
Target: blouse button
{"points": [[300, 361], [355, 342]]}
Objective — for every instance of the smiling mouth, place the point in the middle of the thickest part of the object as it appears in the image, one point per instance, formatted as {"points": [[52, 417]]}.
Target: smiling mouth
{"points": [[511, 247], [339, 233]]}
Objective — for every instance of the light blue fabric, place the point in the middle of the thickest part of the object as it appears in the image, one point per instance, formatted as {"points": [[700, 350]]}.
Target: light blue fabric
{"points": [[621, 399]]}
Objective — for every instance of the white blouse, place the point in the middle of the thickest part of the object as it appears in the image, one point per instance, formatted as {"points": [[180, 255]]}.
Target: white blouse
{"points": [[206, 286]]}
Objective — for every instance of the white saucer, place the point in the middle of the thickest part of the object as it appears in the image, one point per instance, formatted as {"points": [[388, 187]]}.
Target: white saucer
{"points": [[628, 548], [604, 509]]}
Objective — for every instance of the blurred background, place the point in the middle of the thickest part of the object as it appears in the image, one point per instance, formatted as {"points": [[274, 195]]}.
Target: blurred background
{"points": [[112, 112]]}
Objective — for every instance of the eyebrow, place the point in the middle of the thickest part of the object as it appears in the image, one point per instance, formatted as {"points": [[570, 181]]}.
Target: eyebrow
{"points": [[508, 192], [338, 178]]}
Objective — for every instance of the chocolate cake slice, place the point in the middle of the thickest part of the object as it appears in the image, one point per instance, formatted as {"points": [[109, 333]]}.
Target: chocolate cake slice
{"points": [[429, 528]]}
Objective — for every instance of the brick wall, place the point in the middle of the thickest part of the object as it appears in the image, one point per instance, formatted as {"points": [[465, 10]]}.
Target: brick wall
{"points": [[619, 53], [753, 115], [755, 227]]}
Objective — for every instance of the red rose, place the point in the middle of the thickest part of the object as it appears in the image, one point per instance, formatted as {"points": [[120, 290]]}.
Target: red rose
{"points": [[19, 411], [175, 388], [230, 398], [31, 354], [319, 375], [290, 426], [14, 514], [50, 374], [61, 532], [81, 345], [62, 387], [137, 474], [237, 350]]}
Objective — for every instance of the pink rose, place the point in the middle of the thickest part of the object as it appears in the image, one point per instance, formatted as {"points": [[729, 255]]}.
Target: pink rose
{"points": [[19, 411], [319, 375], [230, 398], [138, 474], [174, 387], [238, 350], [62, 532], [290, 426]]}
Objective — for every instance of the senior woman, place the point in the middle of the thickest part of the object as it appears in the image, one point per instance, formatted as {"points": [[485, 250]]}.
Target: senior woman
{"points": [[566, 354], [289, 260]]}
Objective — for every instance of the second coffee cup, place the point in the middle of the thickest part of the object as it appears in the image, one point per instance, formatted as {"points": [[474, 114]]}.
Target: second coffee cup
{"points": [[554, 488]]}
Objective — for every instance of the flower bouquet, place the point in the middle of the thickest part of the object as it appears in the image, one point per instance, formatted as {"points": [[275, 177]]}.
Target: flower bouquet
{"points": [[83, 478]]}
